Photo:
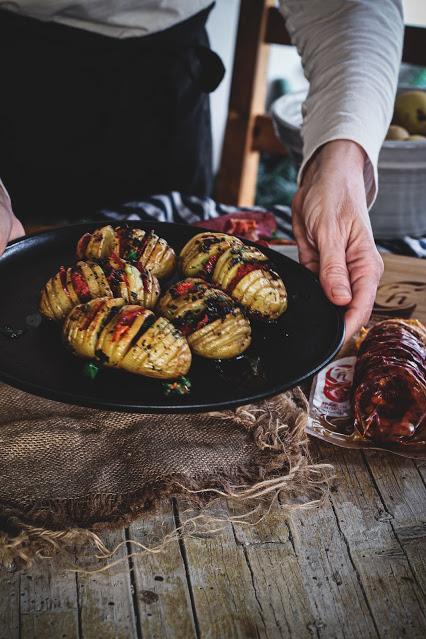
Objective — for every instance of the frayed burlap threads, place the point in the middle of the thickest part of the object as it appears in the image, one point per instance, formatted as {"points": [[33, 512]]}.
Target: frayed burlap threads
{"points": [[72, 472], [32, 542]]}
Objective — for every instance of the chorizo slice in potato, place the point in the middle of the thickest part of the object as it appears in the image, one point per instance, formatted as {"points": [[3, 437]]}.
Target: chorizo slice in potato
{"points": [[85, 322], [244, 273], [199, 256]]}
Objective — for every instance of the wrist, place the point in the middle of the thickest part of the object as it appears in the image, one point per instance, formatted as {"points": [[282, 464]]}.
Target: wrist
{"points": [[343, 153], [342, 159]]}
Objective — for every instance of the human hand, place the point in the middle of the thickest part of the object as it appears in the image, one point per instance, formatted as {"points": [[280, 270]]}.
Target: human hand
{"points": [[333, 230], [10, 226]]}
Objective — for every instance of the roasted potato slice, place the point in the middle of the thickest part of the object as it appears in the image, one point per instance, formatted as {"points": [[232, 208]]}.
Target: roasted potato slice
{"points": [[230, 262], [128, 337], [66, 289], [112, 277], [116, 337], [184, 296], [161, 352], [243, 272], [55, 299], [156, 256], [199, 256], [212, 322], [85, 322], [95, 278], [97, 245], [143, 249], [135, 285]]}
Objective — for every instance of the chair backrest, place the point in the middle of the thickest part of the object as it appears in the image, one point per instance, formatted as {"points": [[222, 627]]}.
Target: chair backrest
{"points": [[249, 130]]}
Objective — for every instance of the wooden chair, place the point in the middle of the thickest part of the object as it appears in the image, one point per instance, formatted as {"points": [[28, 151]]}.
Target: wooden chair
{"points": [[249, 130]]}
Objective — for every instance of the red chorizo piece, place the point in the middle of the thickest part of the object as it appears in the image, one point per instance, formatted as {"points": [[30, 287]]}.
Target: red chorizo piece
{"points": [[389, 388]]}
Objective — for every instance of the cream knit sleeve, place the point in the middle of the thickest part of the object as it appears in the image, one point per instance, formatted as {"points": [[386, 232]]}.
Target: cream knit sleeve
{"points": [[351, 51]]}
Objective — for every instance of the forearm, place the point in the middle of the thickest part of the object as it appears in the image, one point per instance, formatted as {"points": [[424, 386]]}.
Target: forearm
{"points": [[337, 159], [350, 53]]}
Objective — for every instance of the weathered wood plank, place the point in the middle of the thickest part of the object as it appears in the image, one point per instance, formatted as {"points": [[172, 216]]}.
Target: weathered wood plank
{"points": [[48, 600], [403, 494], [9, 604], [222, 586], [280, 592], [306, 559], [259, 529], [276, 575], [402, 491], [105, 598], [331, 581], [161, 590], [383, 569], [421, 467]]}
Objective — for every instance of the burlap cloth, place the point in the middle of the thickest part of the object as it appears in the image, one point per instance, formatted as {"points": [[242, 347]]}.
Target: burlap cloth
{"points": [[66, 470]]}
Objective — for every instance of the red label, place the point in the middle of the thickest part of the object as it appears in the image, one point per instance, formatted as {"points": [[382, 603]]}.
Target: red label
{"points": [[338, 382]]}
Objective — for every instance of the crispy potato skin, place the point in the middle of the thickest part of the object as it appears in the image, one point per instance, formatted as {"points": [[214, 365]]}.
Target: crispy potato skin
{"points": [[106, 329], [112, 347], [231, 266], [214, 325], [261, 291], [161, 352], [111, 278], [145, 250], [97, 245], [84, 324], [174, 305], [201, 252]]}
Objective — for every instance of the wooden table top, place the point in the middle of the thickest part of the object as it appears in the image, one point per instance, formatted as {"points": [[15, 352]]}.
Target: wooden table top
{"points": [[355, 567]]}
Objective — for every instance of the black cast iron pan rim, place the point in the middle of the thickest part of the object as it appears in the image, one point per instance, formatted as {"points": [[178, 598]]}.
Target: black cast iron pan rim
{"points": [[82, 400]]}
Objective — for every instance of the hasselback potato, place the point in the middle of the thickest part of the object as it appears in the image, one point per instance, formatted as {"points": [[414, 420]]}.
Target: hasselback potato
{"points": [[128, 337], [141, 248], [111, 277], [241, 271], [199, 256], [213, 324]]}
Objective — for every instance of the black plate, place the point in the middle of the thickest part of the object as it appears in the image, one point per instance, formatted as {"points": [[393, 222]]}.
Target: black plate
{"points": [[282, 355]]}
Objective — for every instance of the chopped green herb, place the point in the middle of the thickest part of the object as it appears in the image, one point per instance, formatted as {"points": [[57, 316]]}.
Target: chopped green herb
{"points": [[181, 386], [90, 370], [132, 256]]}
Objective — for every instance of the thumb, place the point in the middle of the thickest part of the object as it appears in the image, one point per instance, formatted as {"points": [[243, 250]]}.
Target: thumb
{"points": [[334, 274], [4, 232], [17, 229]]}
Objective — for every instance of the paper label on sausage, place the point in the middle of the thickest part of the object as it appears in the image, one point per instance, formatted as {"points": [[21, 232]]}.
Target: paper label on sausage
{"points": [[333, 386]]}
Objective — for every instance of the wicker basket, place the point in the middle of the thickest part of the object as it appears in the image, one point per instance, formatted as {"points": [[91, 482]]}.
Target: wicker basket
{"points": [[400, 208]]}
